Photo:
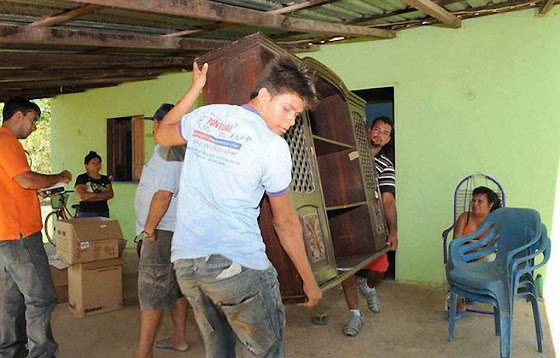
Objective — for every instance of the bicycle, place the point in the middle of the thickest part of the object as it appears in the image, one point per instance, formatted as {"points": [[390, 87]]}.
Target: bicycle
{"points": [[60, 212]]}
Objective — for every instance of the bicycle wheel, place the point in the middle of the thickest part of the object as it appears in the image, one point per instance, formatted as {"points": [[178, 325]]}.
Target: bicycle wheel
{"points": [[50, 227]]}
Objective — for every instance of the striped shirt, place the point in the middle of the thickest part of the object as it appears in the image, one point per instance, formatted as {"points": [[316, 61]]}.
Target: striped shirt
{"points": [[385, 171]]}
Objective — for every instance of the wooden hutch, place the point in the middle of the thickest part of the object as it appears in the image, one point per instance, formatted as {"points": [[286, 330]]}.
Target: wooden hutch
{"points": [[334, 183]]}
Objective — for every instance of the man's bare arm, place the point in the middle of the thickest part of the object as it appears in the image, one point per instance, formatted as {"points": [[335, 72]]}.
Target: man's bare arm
{"points": [[168, 133], [158, 207], [390, 208], [288, 227], [32, 180]]}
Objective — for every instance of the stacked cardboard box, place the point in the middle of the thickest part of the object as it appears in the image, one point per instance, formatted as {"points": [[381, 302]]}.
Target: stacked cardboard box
{"points": [[91, 247], [59, 274]]}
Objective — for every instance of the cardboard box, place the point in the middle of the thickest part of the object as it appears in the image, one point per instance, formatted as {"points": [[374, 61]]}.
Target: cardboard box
{"points": [[95, 287], [59, 274], [87, 239], [61, 294]]}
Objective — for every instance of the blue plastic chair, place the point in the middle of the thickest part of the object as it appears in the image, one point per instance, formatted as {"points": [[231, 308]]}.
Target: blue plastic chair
{"points": [[516, 236]]}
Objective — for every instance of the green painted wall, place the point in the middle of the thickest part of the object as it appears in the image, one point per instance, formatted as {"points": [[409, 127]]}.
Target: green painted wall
{"points": [[480, 98]]}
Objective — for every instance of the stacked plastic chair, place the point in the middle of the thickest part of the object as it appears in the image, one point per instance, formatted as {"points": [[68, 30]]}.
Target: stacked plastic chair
{"points": [[516, 237]]}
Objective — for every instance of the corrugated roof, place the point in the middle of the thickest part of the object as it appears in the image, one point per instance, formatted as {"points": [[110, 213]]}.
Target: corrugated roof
{"points": [[119, 28]]}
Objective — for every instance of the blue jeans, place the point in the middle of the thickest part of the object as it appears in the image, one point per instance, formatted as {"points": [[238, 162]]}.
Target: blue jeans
{"points": [[92, 214], [29, 299], [234, 303]]}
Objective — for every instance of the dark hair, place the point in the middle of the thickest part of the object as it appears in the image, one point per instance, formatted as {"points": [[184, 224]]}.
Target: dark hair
{"points": [[19, 104], [91, 155], [162, 111], [282, 75], [492, 197], [385, 120]]}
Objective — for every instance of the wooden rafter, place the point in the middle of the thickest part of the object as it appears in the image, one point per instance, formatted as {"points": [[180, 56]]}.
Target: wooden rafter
{"points": [[205, 29], [434, 10], [70, 83], [57, 60], [223, 25], [65, 37], [23, 75], [47, 92], [546, 6], [301, 6], [213, 11], [503, 7], [66, 16]]}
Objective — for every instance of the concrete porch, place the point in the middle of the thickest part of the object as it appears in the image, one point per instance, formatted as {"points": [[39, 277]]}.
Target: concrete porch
{"points": [[412, 324]]}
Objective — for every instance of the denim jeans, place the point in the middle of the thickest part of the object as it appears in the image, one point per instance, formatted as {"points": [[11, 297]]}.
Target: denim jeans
{"points": [[29, 299], [92, 214], [233, 303]]}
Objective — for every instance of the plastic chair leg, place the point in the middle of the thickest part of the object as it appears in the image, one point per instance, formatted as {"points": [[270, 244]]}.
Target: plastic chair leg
{"points": [[505, 337], [451, 318], [538, 324], [496, 321]]}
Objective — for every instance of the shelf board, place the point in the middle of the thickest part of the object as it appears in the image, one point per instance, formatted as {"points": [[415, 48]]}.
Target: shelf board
{"points": [[348, 266], [330, 141], [347, 206]]}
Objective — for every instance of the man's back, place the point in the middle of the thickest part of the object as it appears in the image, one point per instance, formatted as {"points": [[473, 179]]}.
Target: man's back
{"points": [[232, 159]]}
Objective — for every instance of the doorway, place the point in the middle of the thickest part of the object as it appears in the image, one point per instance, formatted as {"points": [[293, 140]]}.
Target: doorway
{"points": [[380, 102]]}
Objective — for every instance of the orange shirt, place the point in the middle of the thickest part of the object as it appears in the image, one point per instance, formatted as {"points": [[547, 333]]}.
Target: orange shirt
{"points": [[20, 213]]}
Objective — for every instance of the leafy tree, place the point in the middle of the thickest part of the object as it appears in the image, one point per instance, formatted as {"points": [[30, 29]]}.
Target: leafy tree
{"points": [[38, 144]]}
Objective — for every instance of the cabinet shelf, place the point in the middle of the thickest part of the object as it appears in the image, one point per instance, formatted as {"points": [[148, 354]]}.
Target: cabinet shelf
{"points": [[325, 146], [348, 206]]}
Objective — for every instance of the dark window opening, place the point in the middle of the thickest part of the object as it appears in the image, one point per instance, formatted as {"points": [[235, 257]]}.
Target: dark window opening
{"points": [[125, 148]]}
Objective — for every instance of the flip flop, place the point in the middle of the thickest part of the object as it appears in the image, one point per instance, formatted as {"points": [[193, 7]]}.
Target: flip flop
{"points": [[320, 319], [166, 344]]}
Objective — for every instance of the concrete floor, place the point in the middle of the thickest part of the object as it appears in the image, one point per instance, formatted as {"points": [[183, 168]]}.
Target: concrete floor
{"points": [[412, 324]]}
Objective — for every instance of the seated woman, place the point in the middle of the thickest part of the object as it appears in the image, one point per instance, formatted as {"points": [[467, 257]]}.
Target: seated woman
{"points": [[483, 202], [93, 189]]}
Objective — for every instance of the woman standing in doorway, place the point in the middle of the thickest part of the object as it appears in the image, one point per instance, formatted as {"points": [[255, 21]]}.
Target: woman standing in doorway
{"points": [[93, 189]]}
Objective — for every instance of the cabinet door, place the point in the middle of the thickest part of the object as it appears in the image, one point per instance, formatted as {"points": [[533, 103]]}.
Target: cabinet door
{"points": [[371, 186], [308, 201]]}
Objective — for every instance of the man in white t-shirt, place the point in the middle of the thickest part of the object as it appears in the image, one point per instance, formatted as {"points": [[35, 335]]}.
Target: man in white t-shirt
{"points": [[156, 207], [235, 154]]}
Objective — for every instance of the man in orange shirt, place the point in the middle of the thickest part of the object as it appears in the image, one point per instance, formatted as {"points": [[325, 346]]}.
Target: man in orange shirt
{"points": [[29, 295]]}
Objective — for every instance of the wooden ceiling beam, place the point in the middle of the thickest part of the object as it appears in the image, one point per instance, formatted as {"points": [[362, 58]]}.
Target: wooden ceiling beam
{"points": [[68, 83], [213, 11], [66, 16], [56, 60], [23, 75], [223, 25], [545, 6], [47, 92], [301, 6], [434, 10], [66, 37]]}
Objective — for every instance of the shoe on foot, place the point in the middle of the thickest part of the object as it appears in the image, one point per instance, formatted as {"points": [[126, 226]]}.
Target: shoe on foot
{"points": [[353, 325], [371, 295]]}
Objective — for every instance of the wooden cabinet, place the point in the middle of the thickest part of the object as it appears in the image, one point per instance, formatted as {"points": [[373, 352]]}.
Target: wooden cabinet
{"points": [[335, 190]]}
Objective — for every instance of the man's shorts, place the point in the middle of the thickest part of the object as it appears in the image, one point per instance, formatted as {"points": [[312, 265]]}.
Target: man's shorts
{"points": [[380, 264], [157, 285]]}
